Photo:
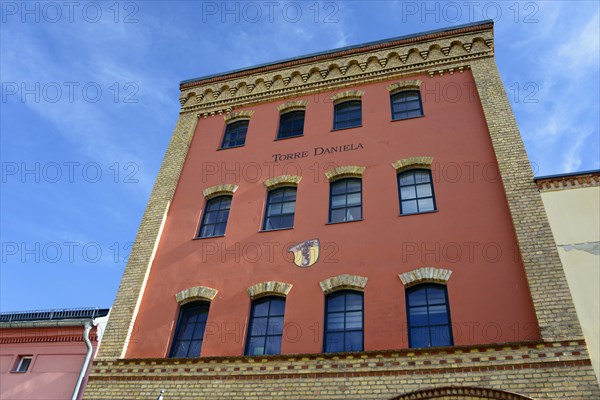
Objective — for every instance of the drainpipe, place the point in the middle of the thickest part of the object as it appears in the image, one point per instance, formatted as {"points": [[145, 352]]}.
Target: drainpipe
{"points": [[86, 362]]}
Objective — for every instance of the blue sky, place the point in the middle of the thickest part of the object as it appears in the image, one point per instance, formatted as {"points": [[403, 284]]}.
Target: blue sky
{"points": [[90, 98]]}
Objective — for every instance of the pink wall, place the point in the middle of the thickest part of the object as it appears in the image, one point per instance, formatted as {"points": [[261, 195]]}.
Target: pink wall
{"points": [[58, 355]]}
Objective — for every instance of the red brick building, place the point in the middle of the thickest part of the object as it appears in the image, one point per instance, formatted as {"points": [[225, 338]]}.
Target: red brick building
{"points": [[358, 223]]}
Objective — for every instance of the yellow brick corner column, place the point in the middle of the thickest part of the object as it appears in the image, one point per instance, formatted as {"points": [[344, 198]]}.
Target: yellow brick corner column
{"points": [[549, 289], [119, 330]]}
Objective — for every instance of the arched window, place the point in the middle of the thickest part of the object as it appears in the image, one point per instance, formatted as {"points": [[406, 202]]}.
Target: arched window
{"points": [[266, 326], [291, 124], [214, 218], [235, 134], [347, 114], [428, 315], [281, 206], [343, 322], [189, 333], [406, 104], [345, 200], [415, 188]]}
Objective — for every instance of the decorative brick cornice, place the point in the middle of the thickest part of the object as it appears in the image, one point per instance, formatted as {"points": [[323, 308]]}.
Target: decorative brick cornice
{"points": [[269, 288], [342, 282], [575, 181], [404, 85], [237, 115], [219, 190], [196, 293], [426, 274], [347, 95], [45, 339], [412, 162], [455, 392], [346, 171], [283, 180], [444, 51], [292, 106]]}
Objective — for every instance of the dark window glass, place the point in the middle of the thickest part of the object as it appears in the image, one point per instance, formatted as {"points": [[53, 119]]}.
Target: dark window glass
{"points": [[23, 365], [428, 316], [281, 205], [291, 124], [214, 218], [190, 330], [406, 105], [235, 134], [343, 322], [346, 200], [347, 114], [266, 326], [415, 189]]}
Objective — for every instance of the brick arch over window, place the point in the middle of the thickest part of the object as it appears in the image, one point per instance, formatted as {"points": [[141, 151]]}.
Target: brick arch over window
{"points": [[343, 282], [272, 288], [466, 393], [238, 115], [219, 190], [412, 162], [347, 171], [283, 180], [404, 85], [296, 105], [347, 95], [425, 275], [196, 293]]}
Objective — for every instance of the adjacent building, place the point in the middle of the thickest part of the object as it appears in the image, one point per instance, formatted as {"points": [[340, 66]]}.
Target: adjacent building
{"points": [[357, 223], [47, 354], [572, 202]]}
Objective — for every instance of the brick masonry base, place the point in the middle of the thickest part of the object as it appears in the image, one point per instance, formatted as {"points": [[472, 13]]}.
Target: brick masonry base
{"points": [[537, 370]]}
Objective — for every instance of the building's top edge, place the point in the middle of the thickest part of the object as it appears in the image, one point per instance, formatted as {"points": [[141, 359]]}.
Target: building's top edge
{"points": [[567, 175], [357, 47], [53, 315]]}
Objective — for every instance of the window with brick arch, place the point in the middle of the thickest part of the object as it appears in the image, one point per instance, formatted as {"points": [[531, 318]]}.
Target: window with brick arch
{"points": [[235, 134], [266, 326], [344, 318], [189, 333], [428, 314]]}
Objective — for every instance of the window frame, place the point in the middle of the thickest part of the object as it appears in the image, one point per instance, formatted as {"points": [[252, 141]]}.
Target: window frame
{"points": [[246, 122], [412, 170], [424, 286], [344, 331], [337, 181], [184, 308], [288, 114], [205, 212], [335, 114], [271, 193], [266, 335], [400, 92], [20, 361]]}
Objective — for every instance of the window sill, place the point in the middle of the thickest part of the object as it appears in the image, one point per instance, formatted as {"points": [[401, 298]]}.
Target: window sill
{"points": [[275, 230], [344, 222], [418, 213], [18, 372], [208, 237], [349, 127], [230, 147], [288, 137], [404, 119]]}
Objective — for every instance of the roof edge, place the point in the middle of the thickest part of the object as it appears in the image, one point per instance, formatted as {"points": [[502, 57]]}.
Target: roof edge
{"points": [[567, 175]]}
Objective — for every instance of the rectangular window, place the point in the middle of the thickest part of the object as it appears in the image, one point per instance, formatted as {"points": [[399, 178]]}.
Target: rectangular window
{"points": [[281, 206], [343, 322], [291, 124], [406, 105], [235, 134], [346, 200], [266, 326], [189, 334], [347, 114], [428, 316], [215, 216], [23, 363]]}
